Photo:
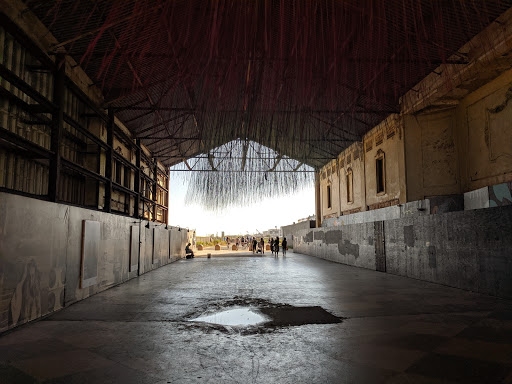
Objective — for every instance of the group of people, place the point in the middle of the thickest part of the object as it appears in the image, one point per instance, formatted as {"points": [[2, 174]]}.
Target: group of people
{"points": [[244, 241], [274, 246], [257, 246]]}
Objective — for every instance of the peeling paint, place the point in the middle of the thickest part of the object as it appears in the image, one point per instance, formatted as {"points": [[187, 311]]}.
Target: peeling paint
{"points": [[347, 248], [333, 237]]}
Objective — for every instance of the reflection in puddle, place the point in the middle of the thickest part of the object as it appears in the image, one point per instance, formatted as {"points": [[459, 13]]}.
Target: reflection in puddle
{"points": [[236, 316]]}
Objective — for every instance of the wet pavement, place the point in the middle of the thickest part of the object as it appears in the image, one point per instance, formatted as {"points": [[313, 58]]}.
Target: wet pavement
{"points": [[324, 323]]}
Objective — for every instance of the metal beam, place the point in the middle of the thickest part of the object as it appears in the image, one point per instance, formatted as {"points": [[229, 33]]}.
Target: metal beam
{"points": [[137, 134], [155, 187], [137, 179], [234, 171], [265, 111], [56, 129], [108, 161], [32, 149]]}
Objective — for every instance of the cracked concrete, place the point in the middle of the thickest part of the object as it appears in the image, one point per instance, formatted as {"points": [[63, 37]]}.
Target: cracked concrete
{"points": [[396, 330]]}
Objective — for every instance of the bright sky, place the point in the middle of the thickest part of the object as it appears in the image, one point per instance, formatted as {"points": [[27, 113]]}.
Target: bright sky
{"points": [[267, 214]]}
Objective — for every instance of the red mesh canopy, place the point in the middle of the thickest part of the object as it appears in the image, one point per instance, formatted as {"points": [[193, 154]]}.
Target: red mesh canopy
{"points": [[306, 78]]}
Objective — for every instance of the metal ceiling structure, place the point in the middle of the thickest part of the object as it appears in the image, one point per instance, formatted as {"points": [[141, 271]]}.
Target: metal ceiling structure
{"points": [[305, 78]]}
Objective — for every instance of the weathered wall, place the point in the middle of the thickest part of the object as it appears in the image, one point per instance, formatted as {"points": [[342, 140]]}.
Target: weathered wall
{"points": [[466, 249], [492, 196], [477, 199], [330, 177], [351, 244], [40, 255], [420, 207], [359, 158], [484, 126], [352, 159], [387, 138], [431, 154], [291, 231]]}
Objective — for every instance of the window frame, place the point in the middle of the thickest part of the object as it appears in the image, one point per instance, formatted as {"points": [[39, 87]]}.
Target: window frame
{"points": [[380, 174], [349, 179]]}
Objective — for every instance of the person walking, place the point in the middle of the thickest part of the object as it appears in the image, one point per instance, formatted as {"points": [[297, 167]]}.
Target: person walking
{"points": [[271, 242], [276, 246], [262, 245], [254, 245], [285, 246]]}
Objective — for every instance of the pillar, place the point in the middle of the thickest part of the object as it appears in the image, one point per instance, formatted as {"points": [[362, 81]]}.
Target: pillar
{"points": [[318, 208]]}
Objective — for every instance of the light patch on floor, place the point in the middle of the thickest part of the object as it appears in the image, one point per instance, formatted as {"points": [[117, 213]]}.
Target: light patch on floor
{"points": [[234, 317]]}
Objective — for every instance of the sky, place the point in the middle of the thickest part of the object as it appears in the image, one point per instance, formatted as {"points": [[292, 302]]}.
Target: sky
{"points": [[267, 214]]}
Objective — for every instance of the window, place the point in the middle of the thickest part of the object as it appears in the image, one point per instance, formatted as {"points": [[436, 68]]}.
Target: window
{"points": [[350, 188], [380, 175], [117, 171], [328, 196], [127, 177]]}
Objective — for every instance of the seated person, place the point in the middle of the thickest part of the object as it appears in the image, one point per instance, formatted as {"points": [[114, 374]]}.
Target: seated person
{"points": [[188, 252]]}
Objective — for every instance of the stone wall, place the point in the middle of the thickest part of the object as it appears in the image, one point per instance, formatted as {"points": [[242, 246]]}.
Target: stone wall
{"points": [[420, 207], [431, 154], [466, 249], [41, 255], [290, 231], [351, 244]]}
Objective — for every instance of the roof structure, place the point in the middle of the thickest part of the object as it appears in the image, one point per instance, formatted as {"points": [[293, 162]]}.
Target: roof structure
{"points": [[304, 78]]}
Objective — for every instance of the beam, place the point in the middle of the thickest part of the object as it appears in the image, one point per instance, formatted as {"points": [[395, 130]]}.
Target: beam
{"points": [[318, 200], [19, 143], [137, 179], [155, 188], [233, 171], [23, 86], [264, 111], [108, 161], [137, 134], [57, 128]]}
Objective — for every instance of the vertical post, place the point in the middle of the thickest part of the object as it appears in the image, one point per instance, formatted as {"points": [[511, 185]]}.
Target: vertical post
{"points": [[318, 210], [57, 126], [168, 196], [137, 178], [155, 188], [108, 161]]}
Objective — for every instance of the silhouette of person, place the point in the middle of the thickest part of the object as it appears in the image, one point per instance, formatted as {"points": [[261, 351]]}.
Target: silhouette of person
{"points": [[284, 245], [188, 252]]}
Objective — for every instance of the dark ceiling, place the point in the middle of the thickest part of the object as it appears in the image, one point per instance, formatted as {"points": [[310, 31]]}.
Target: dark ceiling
{"points": [[305, 78]]}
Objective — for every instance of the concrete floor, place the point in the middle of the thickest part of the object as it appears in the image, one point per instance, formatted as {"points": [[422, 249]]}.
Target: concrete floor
{"points": [[397, 330]]}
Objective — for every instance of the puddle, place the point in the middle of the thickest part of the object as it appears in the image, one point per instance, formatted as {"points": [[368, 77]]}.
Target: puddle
{"points": [[289, 316], [234, 317], [256, 315]]}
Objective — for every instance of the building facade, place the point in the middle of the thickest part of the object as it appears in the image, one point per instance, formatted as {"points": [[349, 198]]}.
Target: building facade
{"points": [[452, 136]]}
